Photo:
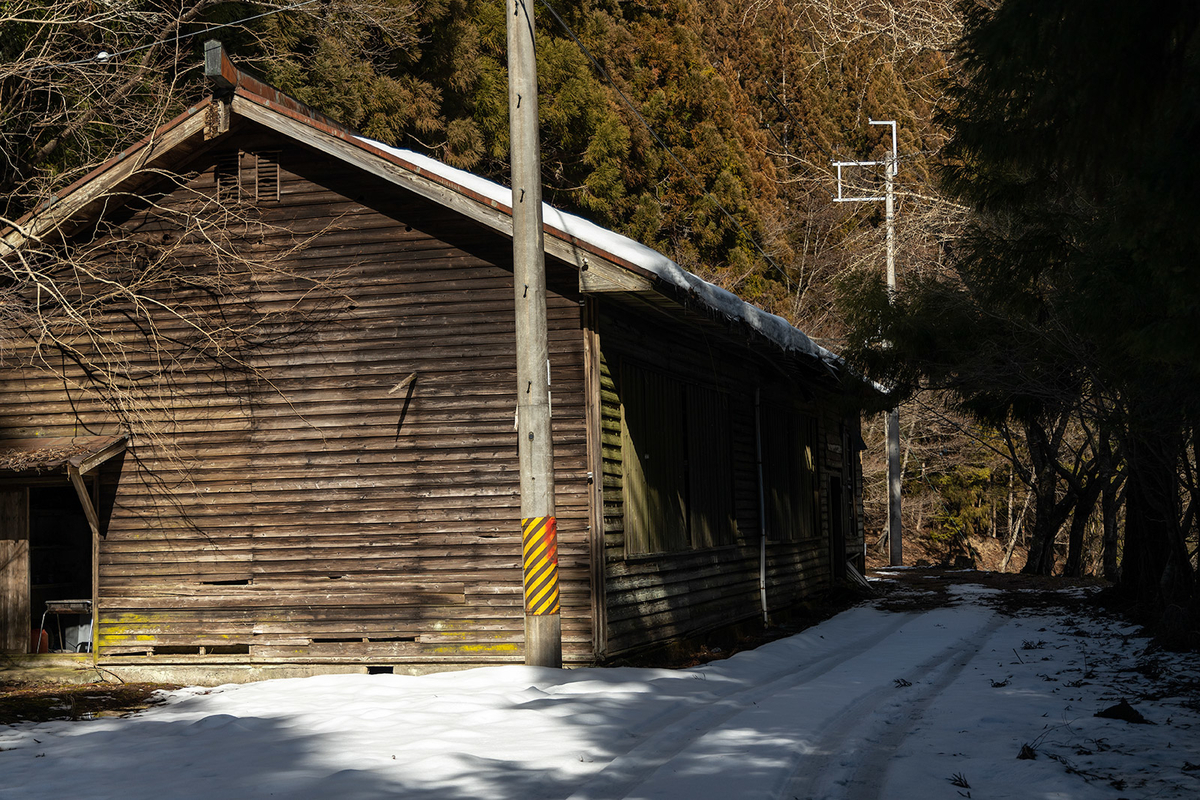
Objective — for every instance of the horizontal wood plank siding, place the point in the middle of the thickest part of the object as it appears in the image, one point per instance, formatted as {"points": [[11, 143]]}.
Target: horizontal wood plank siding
{"points": [[307, 510], [651, 598]]}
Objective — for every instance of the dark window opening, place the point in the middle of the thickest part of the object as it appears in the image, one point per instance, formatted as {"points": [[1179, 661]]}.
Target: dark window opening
{"points": [[676, 452], [837, 532], [792, 490]]}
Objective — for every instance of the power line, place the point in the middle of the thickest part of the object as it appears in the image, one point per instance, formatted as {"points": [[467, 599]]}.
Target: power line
{"points": [[567, 28], [104, 57]]}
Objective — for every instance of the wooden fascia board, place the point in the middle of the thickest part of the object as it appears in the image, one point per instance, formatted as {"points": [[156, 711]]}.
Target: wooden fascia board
{"points": [[600, 277], [369, 159], [105, 178], [88, 462], [345, 146], [601, 271]]}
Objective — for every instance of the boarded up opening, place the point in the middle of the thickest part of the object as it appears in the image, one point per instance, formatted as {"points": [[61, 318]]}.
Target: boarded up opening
{"points": [[653, 448], [709, 468], [228, 178], [266, 178]]}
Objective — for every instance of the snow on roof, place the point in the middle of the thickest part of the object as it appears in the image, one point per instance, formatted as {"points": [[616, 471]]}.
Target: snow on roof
{"points": [[774, 327]]}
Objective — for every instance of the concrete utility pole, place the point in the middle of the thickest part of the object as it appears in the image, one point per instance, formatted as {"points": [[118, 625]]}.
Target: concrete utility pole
{"points": [[539, 534], [891, 166]]}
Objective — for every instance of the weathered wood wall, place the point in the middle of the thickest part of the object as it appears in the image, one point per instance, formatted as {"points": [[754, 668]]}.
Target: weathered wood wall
{"points": [[14, 570], [653, 597], [303, 511]]}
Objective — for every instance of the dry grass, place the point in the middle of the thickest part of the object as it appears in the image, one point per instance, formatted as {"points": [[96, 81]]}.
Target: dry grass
{"points": [[45, 701], [923, 588]]}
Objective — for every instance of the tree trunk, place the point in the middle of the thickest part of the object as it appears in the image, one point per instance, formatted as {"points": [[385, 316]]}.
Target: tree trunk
{"points": [[1014, 532], [1041, 544], [1084, 505], [1049, 512], [1156, 569], [1110, 506]]}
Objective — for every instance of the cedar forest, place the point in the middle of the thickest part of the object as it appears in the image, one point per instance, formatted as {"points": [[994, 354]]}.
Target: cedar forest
{"points": [[1043, 339]]}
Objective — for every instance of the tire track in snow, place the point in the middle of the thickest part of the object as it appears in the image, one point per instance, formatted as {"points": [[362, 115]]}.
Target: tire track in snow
{"points": [[852, 755], [759, 742], [674, 732]]}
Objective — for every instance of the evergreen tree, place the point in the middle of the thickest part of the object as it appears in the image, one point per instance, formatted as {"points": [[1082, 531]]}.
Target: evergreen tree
{"points": [[1069, 134]]}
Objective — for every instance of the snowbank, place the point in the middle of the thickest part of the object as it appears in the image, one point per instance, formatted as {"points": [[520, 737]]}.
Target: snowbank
{"points": [[869, 704]]}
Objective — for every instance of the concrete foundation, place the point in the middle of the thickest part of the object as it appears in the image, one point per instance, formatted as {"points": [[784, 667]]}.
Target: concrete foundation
{"points": [[80, 669]]}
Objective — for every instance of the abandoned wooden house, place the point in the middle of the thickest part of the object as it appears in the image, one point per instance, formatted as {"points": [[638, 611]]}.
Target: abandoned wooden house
{"points": [[337, 490]]}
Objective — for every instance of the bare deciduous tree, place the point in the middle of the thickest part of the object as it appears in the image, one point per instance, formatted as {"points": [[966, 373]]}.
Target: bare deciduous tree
{"points": [[120, 314]]}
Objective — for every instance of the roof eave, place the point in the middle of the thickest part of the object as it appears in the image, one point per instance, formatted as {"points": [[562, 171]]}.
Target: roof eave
{"points": [[105, 179]]}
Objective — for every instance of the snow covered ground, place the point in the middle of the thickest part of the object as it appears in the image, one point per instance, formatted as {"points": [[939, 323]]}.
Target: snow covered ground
{"points": [[870, 704]]}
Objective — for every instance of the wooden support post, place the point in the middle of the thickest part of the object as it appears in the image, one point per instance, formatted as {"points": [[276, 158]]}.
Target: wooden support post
{"points": [[593, 413], [90, 502], [543, 626], [85, 499], [96, 571]]}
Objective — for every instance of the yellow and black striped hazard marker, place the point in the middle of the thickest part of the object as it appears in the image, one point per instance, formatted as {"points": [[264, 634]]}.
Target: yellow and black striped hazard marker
{"points": [[539, 538]]}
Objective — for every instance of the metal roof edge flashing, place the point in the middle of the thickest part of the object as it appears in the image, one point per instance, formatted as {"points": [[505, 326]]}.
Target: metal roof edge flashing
{"points": [[115, 170], [227, 77]]}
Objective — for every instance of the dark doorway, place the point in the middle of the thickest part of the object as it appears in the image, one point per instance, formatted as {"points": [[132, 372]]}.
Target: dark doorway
{"points": [[60, 570]]}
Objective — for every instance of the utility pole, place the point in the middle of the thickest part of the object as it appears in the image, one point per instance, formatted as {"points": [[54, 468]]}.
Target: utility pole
{"points": [[890, 167], [535, 449]]}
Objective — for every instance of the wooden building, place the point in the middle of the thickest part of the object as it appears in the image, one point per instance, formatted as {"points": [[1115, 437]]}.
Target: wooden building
{"points": [[343, 494]]}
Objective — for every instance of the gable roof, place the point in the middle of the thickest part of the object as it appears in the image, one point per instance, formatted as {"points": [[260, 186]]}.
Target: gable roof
{"points": [[608, 261]]}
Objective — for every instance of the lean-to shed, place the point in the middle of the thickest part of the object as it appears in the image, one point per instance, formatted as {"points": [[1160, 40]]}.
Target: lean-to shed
{"points": [[309, 464]]}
